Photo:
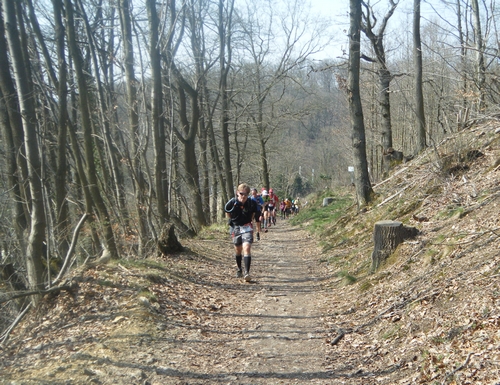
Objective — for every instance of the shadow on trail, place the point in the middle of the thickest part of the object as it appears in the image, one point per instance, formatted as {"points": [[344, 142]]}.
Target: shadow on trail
{"points": [[171, 374]]}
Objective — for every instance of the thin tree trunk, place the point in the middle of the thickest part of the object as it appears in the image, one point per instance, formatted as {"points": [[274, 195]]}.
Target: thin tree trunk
{"points": [[480, 68], [463, 66], [116, 132], [113, 178], [384, 81], [133, 121], [361, 178], [11, 125], [419, 94], [105, 220], [62, 213], [37, 226], [158, 124], [225, 65], [384, 75], [190, 126]]}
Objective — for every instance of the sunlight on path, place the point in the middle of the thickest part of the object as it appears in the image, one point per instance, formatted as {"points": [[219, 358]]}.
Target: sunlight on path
{"points": [[279, 314]]}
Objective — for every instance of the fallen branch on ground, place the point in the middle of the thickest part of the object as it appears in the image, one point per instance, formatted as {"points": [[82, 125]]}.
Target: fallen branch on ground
{"points": [[336, 340], [23, 294], [5, 336], [459, 368]]}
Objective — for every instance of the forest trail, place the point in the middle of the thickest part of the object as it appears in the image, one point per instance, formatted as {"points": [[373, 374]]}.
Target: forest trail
{"points": [[274, 331], [185, 320]]}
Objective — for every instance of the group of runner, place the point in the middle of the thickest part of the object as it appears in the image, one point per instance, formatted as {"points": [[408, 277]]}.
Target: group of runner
{"points": [[267, 203], [248, 205]]}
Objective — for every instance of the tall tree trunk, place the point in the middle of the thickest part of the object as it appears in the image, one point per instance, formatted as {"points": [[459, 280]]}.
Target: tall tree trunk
{"points": [[361, 178], [198, 46], [419, 94], [133, 121], [463, 66], [480, 68], [158, 122], [62, 213], [189, 126], [12, 129], [225, 27], [188, 139], [107, 151], [384, 74], [37, 225], [85, 113], [116, 132]]}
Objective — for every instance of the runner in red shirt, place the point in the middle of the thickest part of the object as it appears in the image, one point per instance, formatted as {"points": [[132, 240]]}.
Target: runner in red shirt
{"points": [[272, 206]]}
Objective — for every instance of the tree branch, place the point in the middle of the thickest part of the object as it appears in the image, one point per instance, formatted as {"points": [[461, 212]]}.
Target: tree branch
{"points": [[7, 298]]}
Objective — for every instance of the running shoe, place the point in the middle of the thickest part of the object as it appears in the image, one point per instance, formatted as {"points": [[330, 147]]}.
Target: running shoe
{"points": [[258, 236], [247, 277], [239, 274]]}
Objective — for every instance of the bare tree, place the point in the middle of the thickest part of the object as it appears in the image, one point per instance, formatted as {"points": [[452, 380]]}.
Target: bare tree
{"points": [[189, 117], [361, 177], [480, 67], [225, 58], [133, 121], [85, 113], [37, 225], [419, 95], [368, 25], [158, 121], [271, 64], [12, 129]]}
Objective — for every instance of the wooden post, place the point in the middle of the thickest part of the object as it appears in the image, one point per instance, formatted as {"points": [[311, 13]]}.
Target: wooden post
{"points": [[387, 235]]}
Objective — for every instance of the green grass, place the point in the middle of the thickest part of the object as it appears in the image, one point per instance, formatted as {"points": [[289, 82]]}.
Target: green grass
{"points": [[347, 278], [314, 217]]}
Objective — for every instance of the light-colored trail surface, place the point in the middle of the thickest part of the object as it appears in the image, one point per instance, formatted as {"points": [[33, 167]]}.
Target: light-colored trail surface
{"points": [[186, 320], [273, 329]]}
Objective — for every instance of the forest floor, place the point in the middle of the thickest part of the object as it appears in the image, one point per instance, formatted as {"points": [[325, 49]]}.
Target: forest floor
{"points": [[314, 313], [195, 323]]}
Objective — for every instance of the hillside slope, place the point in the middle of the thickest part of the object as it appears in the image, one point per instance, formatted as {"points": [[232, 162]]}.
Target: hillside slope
{"points": [[432, 312]]}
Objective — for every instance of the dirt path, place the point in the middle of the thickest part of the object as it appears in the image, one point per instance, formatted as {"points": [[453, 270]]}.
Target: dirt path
{"points": [[273, 329], [201, 326], [282, 329]]}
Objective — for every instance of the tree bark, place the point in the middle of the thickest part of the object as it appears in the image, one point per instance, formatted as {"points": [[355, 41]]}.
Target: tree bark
{"points": [[361, 178], [419, 94], [387, 235], [480, 67], [133, 121], [225, 65], [12, 130], [384, 74], [62, 211], [168, 242], [158, 126], [189, 126], [37, 224], [85, 113]]}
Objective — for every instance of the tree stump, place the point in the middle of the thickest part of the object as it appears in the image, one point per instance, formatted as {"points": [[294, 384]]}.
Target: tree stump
{"points": [[327, 201], [168, 242], [387, 235]]}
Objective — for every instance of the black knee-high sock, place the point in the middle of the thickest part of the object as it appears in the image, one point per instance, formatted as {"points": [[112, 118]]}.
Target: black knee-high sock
{"points": [[238, 261], [247, 260]]}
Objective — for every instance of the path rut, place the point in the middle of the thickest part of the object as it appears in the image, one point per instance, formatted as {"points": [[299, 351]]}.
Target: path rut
{"points": [[276, 334]]}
